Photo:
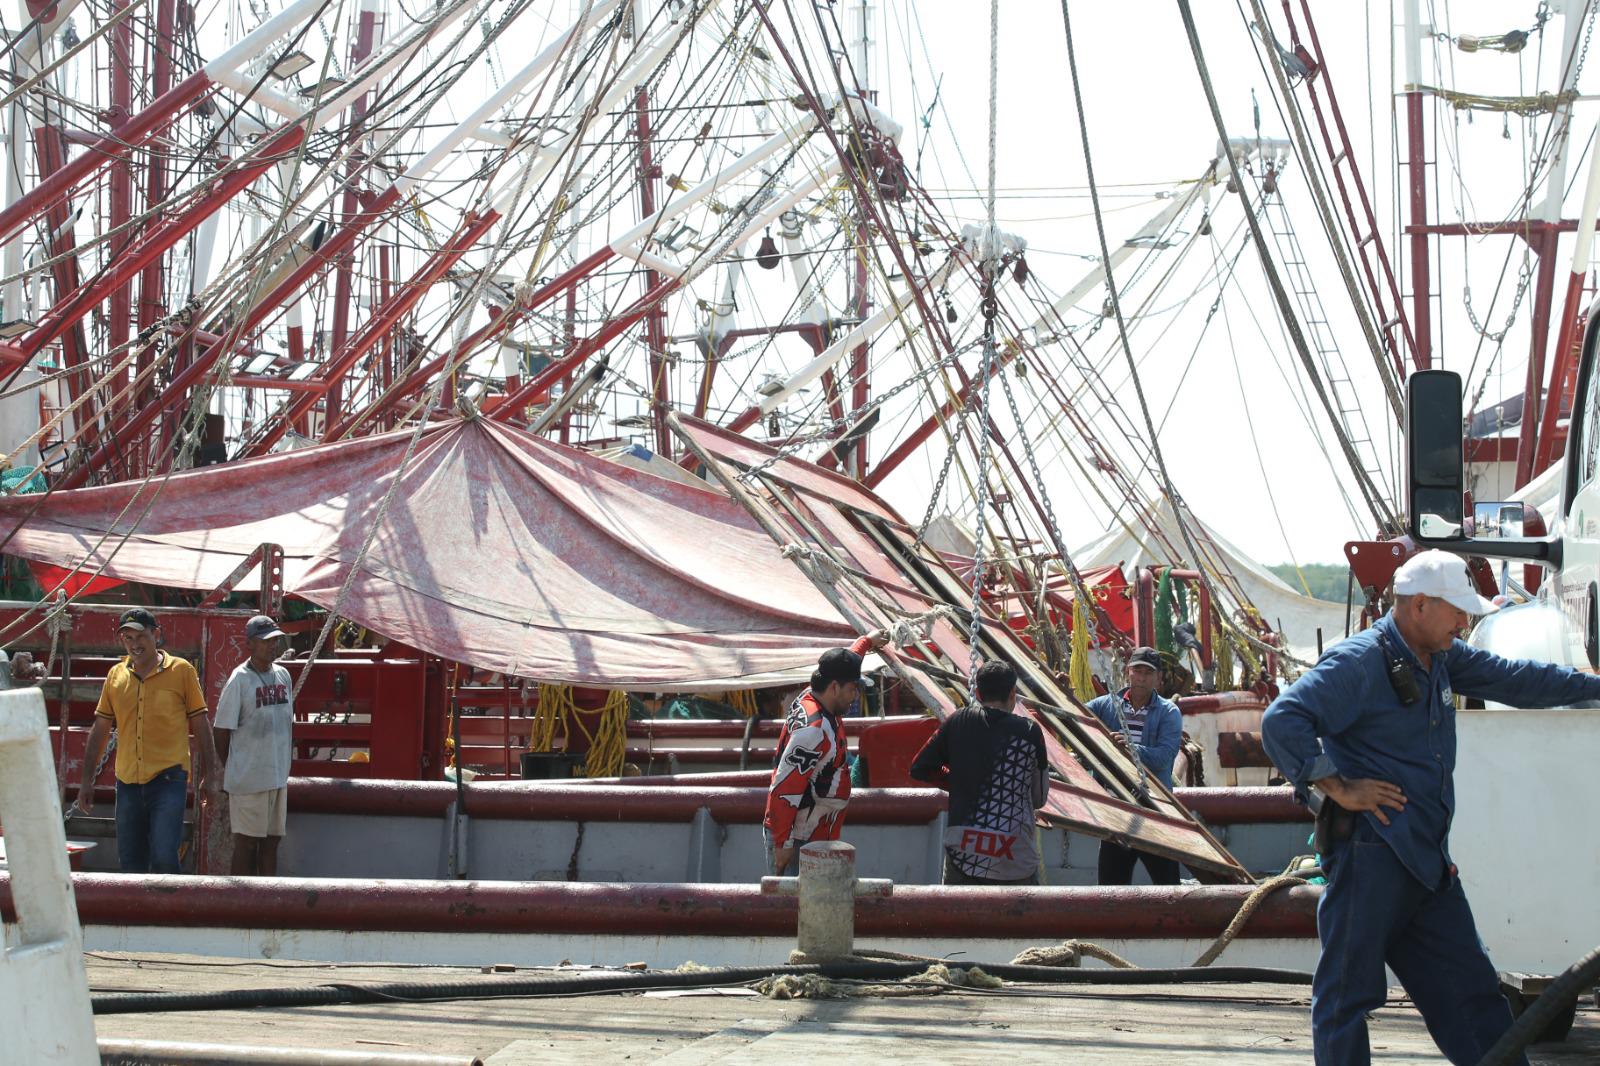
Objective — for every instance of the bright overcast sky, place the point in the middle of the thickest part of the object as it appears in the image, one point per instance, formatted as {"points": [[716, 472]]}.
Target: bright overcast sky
{"points": [[1226, 393], [1235, 440]]}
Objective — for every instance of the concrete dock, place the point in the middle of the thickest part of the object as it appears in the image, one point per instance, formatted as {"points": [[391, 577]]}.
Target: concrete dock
{"points": [[731, 1026]]}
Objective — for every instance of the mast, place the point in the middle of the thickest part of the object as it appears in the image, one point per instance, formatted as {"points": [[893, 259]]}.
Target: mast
{"points": [[860, 290], [655, 332], [1417, 174], [1544, 242]]}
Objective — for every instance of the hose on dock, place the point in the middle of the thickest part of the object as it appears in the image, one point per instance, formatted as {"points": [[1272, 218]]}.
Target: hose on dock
{"points": [[1562, 994], [588, 983]]}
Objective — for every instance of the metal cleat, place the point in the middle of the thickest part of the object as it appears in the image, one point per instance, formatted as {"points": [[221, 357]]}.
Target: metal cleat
{"points": [[828, 889]]}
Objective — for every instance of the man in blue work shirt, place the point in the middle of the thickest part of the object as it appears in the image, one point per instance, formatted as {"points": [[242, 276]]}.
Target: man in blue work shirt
{"points": [[1373, 728], [1148, 726]]}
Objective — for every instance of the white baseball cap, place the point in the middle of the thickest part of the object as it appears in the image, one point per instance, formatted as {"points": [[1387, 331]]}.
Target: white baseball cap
{"points": [[1443, 576]]}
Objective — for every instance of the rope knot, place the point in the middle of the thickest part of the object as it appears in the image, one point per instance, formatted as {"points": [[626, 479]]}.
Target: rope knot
{"points": [[57, 620]]}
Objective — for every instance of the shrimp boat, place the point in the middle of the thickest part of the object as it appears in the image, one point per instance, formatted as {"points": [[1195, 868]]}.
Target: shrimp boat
{"points": [[566, 376]]}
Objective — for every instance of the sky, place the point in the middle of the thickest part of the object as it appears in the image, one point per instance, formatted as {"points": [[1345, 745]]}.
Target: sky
{"points": [[1244, 444], [1236, 441]]}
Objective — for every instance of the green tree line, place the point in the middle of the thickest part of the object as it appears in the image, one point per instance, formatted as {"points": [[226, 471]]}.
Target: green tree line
{"points": [[1325, 580]]}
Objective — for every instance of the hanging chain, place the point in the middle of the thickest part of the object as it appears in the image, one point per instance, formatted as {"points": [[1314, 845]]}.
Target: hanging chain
{"points": [[1524, 276], [944, 473], [991, 265], [831, 427], [1051, 527]]}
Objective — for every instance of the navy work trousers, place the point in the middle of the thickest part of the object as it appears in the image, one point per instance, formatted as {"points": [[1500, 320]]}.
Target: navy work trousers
{"points": [[1374, 912], [150, 822], [1117, 862]]}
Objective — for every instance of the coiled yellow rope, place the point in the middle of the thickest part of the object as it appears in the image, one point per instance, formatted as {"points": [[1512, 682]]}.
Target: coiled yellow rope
{"points": [[550, 713], [1079, 671], [742, 700], [1222, 650], [608, 742]]}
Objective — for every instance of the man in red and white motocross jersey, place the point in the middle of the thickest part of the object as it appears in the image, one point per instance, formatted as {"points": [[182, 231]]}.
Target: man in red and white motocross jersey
{"points": [[811, 777]]}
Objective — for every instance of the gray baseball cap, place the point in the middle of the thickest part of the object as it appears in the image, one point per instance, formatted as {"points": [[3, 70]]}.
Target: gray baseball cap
{"points": [[261, 627], [1145, 657]]}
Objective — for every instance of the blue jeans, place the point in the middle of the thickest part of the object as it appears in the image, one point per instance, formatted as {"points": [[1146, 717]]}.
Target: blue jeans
{"points": [[1373, 912], [150, 822]]}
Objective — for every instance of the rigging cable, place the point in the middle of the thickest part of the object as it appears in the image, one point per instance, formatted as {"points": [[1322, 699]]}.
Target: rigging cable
{"points": [[1111, 285], [1381, 512], [989, 250], [1387, 374]]}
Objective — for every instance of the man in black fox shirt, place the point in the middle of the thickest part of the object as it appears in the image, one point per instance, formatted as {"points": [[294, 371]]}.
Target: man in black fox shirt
{"points": [[994, 766]]}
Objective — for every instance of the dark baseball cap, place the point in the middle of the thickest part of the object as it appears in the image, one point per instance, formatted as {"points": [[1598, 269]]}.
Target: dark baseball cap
{"points": [[137, 618], [1146, 657], [260, 627], [839, 664]]}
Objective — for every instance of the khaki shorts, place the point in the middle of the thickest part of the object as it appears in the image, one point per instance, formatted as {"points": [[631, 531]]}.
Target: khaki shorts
{"points": [[259, 814]]}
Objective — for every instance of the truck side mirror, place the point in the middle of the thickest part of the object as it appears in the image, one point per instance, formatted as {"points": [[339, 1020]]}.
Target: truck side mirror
{"points": [[1436, 483], [1434, 452], [1436, 477]]}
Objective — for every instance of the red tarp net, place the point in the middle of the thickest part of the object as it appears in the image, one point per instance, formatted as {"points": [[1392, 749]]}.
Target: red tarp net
{"points": [[500, 549]]}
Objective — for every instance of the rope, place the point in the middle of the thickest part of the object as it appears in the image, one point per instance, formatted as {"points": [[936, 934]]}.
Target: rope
{"points": [[1314, 181], [1222, 654], [1116, 300], [1374, 499], [830, 428], [56, 622], [431, 401], [939, 977], [742, 700], [1251, 904], [608, 742], [918, 628], [550, 712], [1069, 953], [1545, 103], [1080, 672]]}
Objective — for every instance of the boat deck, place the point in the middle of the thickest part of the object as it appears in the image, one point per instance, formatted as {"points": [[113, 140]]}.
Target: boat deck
{"points": [[1193, 1024]]}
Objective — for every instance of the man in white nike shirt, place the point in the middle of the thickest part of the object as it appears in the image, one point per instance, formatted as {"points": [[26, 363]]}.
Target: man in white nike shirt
{"points": [[255, 739]]}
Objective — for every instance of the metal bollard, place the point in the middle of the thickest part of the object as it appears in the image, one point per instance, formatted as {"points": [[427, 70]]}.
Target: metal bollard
{"points": [[828, 888]]}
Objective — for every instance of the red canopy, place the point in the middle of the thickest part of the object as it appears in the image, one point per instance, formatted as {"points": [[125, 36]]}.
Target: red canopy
{"points": [[500, 549], [1106, 584]]}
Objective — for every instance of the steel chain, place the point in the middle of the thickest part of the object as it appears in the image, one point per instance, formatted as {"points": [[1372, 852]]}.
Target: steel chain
{"points": [[829, 428]]}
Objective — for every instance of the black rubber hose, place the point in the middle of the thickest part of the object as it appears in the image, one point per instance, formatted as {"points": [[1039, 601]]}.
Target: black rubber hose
{"points": [[1562, 993], [749, 733], [615, 981]]}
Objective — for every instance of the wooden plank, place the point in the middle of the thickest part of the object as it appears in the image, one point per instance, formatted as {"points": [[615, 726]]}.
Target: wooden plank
{"points": [[930, 695], [1084, 802], [806, 477]]}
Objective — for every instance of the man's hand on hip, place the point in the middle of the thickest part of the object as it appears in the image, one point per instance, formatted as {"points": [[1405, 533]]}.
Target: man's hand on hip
{"points": [[1364, 794]]}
